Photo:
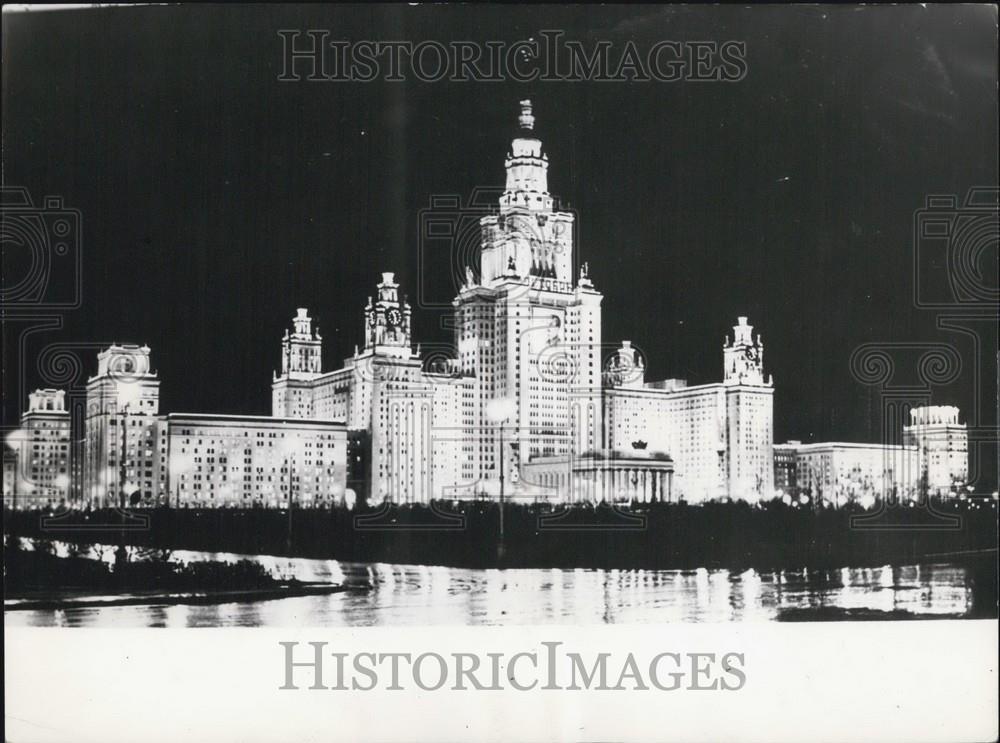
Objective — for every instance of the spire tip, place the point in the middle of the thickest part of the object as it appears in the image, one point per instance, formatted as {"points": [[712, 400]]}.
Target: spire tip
{"points": [[526, 119]]}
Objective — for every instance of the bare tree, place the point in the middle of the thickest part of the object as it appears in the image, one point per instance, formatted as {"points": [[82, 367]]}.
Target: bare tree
{"points": [[78, 549], [155, 554], [43, 546]]}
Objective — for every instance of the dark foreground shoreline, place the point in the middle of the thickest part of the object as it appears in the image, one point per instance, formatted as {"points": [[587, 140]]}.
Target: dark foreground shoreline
{"points": [[286, 590], [837, 614], [654, 536], [39, 580], [733, 536]]}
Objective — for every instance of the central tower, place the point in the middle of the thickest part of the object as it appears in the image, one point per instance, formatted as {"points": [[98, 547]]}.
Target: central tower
{"points": [[529, 330], [528, 237]]}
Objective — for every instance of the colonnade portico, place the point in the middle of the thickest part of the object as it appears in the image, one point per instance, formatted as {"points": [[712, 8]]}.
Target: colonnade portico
{"points": [[602, 476]]}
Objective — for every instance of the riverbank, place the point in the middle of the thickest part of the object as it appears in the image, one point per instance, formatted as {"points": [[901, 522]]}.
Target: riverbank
{"points": [[651, 536], [49, 601], [840, 614], [36, 579]]}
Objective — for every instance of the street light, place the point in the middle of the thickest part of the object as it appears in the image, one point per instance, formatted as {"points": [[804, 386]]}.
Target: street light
{"points": [[128, 393], [61, 484], [288, 448], [15, 440], [499, 411], [180, 463]]}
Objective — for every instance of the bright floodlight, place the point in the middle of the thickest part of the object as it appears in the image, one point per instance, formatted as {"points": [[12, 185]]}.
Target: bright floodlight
{"points": [[16, 437], [179, 464], [289, 445], [128, 393], [500, 409]]}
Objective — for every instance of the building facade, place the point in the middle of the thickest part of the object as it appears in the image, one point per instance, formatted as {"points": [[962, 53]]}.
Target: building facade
{"points": [[124, 462], [719, 436], [942, 444], [835, 473], [786, 467], [933, 460], [525, 405], [527, 324], [37, 458], [254, 461], [133, 455]]}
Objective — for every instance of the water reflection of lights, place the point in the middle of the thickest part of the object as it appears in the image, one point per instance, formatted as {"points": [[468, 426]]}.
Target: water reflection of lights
{"points": [[422, 595]]}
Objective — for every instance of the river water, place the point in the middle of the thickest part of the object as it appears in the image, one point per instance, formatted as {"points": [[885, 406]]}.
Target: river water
{"points": [[428, 595]]}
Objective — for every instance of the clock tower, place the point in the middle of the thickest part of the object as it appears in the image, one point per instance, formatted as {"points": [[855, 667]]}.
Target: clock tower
{"points": [[743, 356], [387, 321]]}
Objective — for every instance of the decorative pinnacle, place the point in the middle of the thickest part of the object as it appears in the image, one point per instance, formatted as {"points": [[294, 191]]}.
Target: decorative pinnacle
{"points": [[526, 119]]}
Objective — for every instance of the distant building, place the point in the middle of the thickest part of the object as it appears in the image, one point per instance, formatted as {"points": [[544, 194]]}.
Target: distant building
{"points": [[837, 473], [135, 453], [37, 456], [786, 467], [42, 474], [943, 447], [934, 455], [123, 452]]}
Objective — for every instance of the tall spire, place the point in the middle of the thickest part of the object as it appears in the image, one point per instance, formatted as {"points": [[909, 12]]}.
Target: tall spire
{"points": [[526, 119], [527, 180], [529, 237]]}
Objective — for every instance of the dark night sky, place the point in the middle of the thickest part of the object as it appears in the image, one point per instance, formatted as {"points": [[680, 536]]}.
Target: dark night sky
{"points": [[216, 199]]}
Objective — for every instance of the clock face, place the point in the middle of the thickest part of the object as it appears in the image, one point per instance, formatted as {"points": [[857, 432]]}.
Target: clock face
{"points": [[751, 353], [393, 316], [122, 366]]}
